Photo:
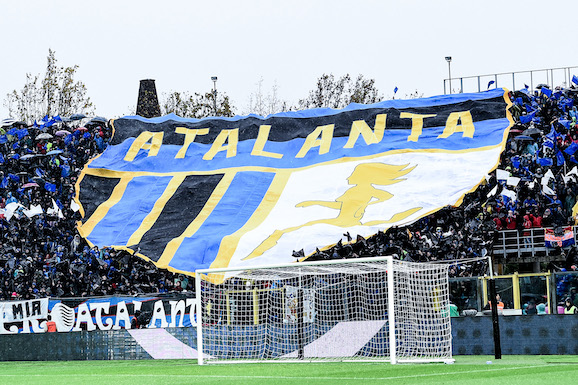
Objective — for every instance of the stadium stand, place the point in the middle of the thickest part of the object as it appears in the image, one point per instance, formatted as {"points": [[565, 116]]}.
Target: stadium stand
{"points": [[535, 187], [41, 254]]}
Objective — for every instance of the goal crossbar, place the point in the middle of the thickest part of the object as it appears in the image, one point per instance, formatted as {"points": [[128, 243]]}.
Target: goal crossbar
{"points": [[357, 309]]}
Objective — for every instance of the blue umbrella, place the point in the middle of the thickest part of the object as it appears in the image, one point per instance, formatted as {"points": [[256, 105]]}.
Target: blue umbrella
{"points": [[77, 116], [7, 122], [54, 152], [98, 119], [523, 137]]}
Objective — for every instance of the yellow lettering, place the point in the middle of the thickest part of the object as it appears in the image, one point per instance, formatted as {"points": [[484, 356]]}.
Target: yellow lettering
{"points": [[370, 136], [416, 124], [466, 125], [229, 136], [260, 144], [190, 135], [312, 140], [142, 143]]}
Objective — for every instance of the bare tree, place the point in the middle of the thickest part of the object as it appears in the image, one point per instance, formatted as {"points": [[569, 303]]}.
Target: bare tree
{"points": [[266, 104], [338, 93], [55, 94], [195, 105]]}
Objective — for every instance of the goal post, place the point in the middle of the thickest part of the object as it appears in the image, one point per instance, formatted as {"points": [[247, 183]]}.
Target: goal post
{"points": [[365, 309]]}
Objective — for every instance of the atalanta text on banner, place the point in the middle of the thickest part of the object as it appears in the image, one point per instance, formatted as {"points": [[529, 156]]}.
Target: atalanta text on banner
{"points": [[246, 191]]}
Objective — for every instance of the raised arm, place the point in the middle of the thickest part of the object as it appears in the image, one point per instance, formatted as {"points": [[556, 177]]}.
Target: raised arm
{"points": [[381, 196]]}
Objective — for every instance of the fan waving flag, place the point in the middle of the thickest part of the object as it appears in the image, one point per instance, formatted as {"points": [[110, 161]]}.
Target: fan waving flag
{"points": [[245, 191], [553, 240]]}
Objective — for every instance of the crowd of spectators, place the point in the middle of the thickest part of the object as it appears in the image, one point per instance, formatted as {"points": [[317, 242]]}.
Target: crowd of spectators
{"points": [[535, 186], [41, 253]]}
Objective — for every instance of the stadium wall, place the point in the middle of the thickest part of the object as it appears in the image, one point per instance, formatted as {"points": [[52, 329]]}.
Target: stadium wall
{"points": [[551, 334], [538, 334]]}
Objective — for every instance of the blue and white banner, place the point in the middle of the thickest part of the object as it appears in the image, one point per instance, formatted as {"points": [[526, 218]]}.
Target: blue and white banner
{"points": [[244, 191], [112, 313]]}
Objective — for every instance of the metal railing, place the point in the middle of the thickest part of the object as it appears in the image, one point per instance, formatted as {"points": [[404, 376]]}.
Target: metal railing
{"points": [[511, 80], [514, 244], [550, 288]]}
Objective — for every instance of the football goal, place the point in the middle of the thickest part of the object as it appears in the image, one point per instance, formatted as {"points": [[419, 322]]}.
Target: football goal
{"points": [[355, 309]]}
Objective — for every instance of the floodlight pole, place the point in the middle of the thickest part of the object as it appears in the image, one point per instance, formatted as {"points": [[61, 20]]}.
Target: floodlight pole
{"points": [[495, 319], [449, 60]]}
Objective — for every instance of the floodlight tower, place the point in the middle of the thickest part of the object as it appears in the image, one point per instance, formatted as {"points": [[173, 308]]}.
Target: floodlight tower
{"points": [[449, 60]]}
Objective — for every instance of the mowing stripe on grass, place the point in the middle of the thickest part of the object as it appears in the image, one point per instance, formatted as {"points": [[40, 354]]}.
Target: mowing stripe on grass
{"points": [[197, 376]]}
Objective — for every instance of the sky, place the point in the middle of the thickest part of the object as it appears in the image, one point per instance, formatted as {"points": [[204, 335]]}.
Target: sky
{"points": [[182, 44]]}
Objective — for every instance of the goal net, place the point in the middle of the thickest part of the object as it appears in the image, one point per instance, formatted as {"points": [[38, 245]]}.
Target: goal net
{"points": [[356, 309]]}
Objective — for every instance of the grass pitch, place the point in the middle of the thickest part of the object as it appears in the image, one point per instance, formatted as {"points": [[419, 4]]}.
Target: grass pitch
{"points": [[466, 370]]}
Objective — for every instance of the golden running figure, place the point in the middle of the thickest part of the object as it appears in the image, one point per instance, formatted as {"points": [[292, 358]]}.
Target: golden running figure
{"points": [[353, 203]]}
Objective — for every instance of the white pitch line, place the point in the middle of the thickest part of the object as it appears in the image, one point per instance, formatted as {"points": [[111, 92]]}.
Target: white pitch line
{"points": [[284, 377]]}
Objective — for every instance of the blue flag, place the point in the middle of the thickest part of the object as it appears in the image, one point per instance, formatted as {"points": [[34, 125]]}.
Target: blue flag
{"points": [[548, 143], [519, 101], [490, 83], [553, 134], [544, 162], [564, 122], [525, 119], [559, 158], [65, 170], [3, 139], [516, 161], [22, 133], [574, 79], [395, 90], [50, 187], [4, 182], [546, 91], [571, 149]]}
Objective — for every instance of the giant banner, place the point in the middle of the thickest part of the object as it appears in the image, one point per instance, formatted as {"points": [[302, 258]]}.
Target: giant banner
{"points": [[246, 191]]}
